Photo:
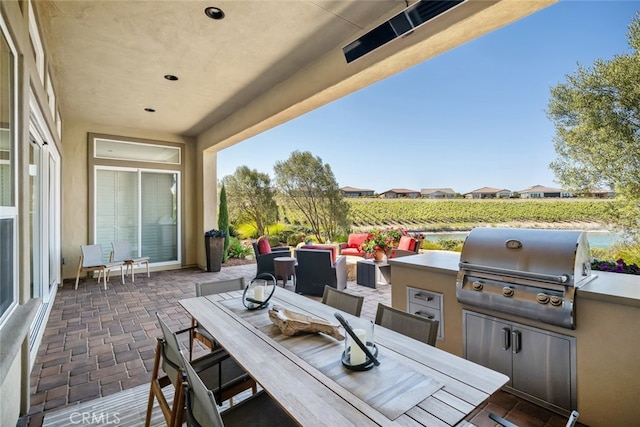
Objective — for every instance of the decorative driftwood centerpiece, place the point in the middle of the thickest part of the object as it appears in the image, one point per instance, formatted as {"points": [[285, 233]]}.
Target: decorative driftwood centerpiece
{"points": [[292, 323]]}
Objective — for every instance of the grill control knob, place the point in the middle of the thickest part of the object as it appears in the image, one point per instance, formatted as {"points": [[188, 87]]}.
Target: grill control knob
{"points": [[507, 291], [477, 286], [542, 298], [556, 300]]}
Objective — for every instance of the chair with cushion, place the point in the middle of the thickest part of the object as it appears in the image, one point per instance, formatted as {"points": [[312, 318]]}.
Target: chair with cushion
{"points": [[121, 252], [344, 301], [352, 247], [265, 255], [411, 325], [210, 288], [202, 410], [218, 371], [406, 246], [92, 260], [315, 271]]}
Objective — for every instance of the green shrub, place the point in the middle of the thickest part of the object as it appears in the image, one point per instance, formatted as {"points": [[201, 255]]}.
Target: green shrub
{"points": [[451, 244], [431, 246], [295, 238], [236, 249]]}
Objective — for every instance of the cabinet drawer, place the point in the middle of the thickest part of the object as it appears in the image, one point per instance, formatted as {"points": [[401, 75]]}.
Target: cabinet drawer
{"points": [[428, 312], [424, 298], [427, 304]]}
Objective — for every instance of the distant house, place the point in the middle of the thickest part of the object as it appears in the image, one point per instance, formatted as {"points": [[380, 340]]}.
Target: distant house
{"points": [[438, 193], [488, 193], [540, 191], [395, 193], [356, 192], [600, 193]]}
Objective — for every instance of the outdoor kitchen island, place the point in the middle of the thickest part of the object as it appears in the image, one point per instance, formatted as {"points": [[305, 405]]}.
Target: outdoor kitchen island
{"points": [[606, 334]]}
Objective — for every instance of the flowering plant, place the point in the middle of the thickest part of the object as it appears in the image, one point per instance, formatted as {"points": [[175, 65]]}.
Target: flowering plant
{"points": [[615, 267], [381, 240]]}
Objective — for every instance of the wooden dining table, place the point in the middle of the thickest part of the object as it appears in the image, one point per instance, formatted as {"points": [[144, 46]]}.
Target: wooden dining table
{"points": [[415, 384]]}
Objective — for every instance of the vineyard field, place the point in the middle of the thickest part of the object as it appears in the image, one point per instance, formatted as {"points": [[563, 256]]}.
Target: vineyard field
{"points": [[425, 214]]}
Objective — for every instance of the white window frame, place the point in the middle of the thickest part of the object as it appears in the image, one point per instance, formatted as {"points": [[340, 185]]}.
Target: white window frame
{"points": [[11, 212], [34, 35], [139, 171]]}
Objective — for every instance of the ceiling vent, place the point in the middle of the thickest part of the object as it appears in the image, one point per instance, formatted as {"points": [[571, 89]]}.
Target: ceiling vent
{"points": [[401, 24]]}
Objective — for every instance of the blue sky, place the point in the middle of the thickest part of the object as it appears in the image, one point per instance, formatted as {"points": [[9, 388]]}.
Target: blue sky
{"points": [[469, 118]]}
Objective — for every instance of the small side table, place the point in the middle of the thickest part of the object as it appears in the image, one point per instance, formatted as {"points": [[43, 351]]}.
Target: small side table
{"points": [[370, 273], [285, 267]]}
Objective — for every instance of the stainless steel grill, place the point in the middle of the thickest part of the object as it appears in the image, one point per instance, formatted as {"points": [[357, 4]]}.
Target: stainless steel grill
{"points": [[526, 272]]}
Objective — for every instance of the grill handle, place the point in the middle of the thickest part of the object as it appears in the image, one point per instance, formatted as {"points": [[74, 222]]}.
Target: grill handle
{"points": [[516, 335], [506, 338], [561, 279]]}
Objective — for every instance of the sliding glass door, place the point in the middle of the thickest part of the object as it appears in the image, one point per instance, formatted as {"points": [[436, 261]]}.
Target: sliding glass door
{"points": [[140, 207]]}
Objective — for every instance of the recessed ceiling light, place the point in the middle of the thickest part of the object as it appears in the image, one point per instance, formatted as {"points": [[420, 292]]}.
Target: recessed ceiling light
{"points": [[214, 12], [171, 77], [149, 110]]}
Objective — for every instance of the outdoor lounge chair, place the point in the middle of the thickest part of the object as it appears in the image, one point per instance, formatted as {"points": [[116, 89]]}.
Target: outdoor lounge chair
{"points": [[122, 252], [92, 260], [315, 271], [265, 255]]}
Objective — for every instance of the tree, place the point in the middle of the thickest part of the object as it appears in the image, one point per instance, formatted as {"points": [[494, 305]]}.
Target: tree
{"points": [[310, 186], [251, 198], [223, 222], [596, 114]]}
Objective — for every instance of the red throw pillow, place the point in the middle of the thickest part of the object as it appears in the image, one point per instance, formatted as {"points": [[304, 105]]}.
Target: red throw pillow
{"points": [[263, 246]]}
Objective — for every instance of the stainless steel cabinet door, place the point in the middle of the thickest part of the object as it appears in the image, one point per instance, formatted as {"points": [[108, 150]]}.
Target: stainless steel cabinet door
{"points": [[542, 365], [488, 343]]}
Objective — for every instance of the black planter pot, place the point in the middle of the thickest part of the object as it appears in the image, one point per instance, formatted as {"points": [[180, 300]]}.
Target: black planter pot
{"points": [[214, 246]]}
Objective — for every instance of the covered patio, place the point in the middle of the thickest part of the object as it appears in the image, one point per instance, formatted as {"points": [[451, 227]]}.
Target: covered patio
{"points": [[100, 345]]}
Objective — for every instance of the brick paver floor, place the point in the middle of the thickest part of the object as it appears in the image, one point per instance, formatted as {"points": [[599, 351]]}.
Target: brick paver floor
{"points": [[99, 342]]}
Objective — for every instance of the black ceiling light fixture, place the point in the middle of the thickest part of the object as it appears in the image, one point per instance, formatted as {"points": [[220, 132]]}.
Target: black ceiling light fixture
{"points": [[171, 77], [214, 12], [150, 110]]}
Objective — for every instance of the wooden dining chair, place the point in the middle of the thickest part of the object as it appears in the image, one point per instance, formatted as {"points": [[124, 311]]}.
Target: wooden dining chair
{"points": [[411, 325], [202, 410], [121, 252], [209, 288], [217, 370], [343, 301], [91, 259]]}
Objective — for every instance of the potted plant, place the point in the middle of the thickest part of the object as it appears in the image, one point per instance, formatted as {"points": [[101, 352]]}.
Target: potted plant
{"points": [[381, 241], [214, 248]]}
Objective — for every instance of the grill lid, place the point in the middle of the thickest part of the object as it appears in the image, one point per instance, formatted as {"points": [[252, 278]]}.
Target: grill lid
{"points": [[553, 256]]}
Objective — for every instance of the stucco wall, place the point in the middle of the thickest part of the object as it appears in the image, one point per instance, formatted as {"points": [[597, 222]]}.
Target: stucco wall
{"points": [[75, 193], [9, 396]]}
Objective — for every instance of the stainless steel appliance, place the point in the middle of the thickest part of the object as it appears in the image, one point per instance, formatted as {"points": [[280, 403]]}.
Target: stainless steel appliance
{"points": [[526, 272], [531, 274]]}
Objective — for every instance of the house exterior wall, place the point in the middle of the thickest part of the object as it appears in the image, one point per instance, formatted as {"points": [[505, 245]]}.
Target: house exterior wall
{"points": [[76, 222]]}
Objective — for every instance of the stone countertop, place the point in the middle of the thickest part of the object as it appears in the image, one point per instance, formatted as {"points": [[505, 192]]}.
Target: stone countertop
{"points": [[615, 288]]}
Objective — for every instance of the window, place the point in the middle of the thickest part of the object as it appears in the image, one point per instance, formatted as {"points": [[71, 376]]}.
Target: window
{"points": [[136, 196], [8, 179]]}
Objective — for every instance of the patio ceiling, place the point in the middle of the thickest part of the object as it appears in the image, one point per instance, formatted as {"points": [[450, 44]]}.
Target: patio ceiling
{"points": [[264, 63]]}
